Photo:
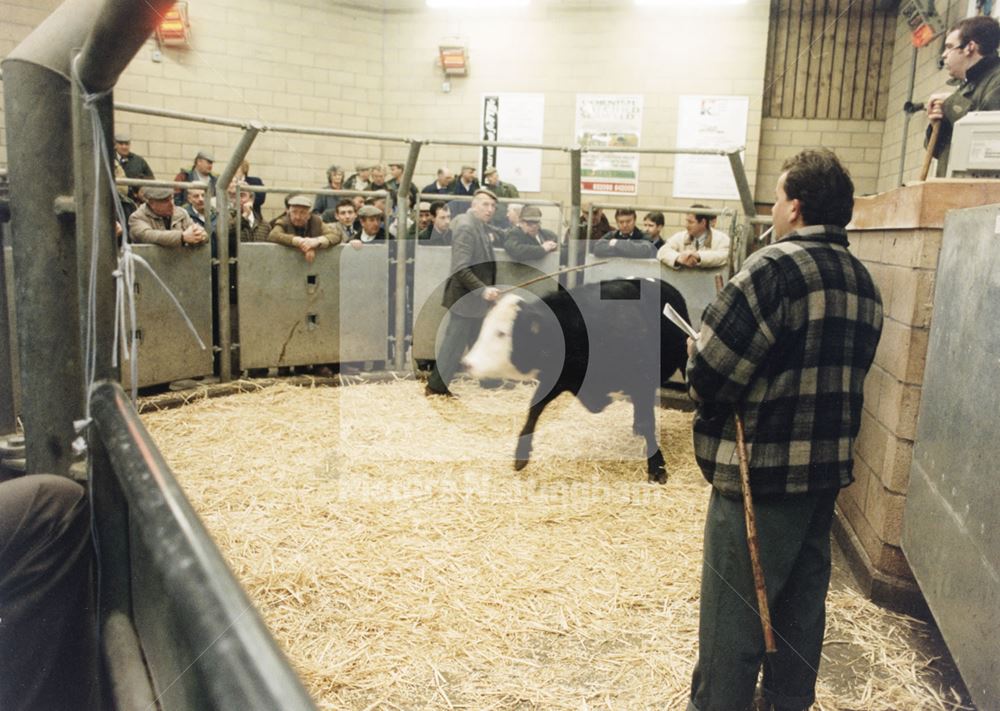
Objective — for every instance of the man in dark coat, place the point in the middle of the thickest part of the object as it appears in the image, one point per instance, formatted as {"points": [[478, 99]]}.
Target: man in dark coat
{"points": [[627, 240], [970, 55], [527, 240], [133, 164], [473, 273]]}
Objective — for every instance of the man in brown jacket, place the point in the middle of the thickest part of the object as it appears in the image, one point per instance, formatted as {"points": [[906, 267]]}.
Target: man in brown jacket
{"points": [[159, 221], [304, 230]]}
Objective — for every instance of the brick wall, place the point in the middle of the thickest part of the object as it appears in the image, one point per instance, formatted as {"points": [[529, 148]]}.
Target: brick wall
{"points": [[857, 143]]}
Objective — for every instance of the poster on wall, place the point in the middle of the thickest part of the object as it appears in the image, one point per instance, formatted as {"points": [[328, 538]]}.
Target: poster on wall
{"points": [[515, 118], [709, 122], [612, 121]]}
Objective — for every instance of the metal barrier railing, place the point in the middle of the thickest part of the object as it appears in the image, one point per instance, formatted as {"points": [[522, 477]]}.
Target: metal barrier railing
{"points": [[165, 582]]}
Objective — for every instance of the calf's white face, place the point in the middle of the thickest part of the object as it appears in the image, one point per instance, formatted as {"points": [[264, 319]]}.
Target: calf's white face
{"points": [[490, 355]]}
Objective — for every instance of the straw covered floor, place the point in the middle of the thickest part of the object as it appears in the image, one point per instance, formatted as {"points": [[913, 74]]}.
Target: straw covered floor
{"points": [[402, 563]]}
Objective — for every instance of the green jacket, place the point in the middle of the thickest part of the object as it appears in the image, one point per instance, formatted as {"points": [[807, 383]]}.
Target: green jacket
{"points": [[979, 92], [504, 191]]}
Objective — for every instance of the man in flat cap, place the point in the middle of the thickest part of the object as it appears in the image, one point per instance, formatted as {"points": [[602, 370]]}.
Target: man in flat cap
{"points": [[299, 227], [503, 191], [160, 221], [469, 291], [133, 164], [527, 240], [466, 185], [201, 170], [372, 229]]}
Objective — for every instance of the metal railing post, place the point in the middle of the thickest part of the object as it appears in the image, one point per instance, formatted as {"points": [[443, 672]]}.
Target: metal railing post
{"points": [[575, 176], [8, 417], [742, 185], [90, 196], [405, 253], [222, 245]]}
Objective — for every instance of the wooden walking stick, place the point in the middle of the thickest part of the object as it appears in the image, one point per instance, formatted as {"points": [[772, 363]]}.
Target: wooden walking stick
{"points": [[931, 145], [752, 544]]}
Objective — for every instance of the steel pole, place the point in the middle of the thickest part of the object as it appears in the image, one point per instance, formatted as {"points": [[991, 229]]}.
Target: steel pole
{"points": [[8, 416], [405, 254], [575, 200], [221, 237]]}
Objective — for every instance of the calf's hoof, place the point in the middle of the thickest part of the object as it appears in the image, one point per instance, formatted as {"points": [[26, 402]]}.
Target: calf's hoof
{"points": [[520, 464], [658, 477]]}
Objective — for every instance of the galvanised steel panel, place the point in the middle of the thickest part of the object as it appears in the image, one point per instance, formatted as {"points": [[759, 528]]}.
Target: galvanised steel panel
{"points": [[431, 270], [292, 312], [950, 533], [697, 286], [167, 350]]}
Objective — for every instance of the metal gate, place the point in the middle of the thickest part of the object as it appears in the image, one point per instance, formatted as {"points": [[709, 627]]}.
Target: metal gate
{"points": [[950, 533]]}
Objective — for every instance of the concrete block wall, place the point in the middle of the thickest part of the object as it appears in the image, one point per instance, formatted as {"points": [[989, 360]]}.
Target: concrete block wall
{"points": [[857, 143], [903, 264], [564, 52]]}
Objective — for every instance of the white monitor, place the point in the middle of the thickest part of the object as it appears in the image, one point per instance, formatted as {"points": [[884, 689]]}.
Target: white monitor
{"points": [[975, 146]]}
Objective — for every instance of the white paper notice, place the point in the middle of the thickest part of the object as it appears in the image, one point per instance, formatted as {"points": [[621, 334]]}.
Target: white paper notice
{"points": [[514, 118], [683, 325], [709, 122]]}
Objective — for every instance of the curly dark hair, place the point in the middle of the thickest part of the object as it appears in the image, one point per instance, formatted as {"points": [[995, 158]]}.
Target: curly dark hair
{"points": [[820, 182], [984, 31]]}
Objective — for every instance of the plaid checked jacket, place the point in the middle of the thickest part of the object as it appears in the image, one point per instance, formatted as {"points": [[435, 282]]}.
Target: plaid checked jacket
{"points": [[788, 342]]}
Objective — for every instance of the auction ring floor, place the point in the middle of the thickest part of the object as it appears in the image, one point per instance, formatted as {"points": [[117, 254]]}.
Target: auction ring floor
{"points": [[402, 563]]}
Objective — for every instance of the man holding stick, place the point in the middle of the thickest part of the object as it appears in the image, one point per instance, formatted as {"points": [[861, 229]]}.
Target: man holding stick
{"points": [[786, 346]]}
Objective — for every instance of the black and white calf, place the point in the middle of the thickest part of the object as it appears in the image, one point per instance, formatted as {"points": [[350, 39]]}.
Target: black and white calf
{"points": [[592, 341]]}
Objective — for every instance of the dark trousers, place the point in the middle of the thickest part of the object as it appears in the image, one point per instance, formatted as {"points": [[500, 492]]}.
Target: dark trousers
{"points": [[460, 333], [794, 536], [48, 642]]}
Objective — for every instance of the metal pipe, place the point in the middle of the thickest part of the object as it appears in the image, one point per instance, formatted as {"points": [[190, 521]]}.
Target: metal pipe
{"points": [[180, 115], [742, 185], [665, 151], [143, 183], [575, 201], [8, 415], [448, 197], [405, 253], [90, 195], [37, 110], [907, 114], [336, 133], [214, 614], [672, 210], [495, 144], [221, 237]]}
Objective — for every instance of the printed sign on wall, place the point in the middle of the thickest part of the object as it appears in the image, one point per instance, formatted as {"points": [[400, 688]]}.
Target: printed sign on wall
{"points": [[609, 121], [514, 118]]}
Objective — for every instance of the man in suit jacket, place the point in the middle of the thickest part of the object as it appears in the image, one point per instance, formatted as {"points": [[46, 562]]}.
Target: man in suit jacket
{"points": [[473, 273]]}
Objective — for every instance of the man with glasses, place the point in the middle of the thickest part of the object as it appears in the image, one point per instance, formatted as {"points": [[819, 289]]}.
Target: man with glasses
{"points": [[970, 56]]}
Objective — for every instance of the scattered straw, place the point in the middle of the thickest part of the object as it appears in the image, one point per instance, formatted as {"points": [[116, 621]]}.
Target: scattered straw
{"points": [[402, 564]]}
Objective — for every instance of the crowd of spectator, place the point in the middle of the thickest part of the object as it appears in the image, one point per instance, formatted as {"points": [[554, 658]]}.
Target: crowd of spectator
{"points": [[186, 217]]}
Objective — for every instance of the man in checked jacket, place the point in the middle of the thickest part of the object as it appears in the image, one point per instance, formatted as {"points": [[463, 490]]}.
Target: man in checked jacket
{"points": [[787, 345]]}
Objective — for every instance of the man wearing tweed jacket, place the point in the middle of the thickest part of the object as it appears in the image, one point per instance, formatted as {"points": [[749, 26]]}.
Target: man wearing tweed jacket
{"points": [[787, 345]]}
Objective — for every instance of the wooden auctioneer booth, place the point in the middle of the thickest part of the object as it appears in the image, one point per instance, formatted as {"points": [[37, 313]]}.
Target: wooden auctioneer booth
{"points": [[900, 235]]}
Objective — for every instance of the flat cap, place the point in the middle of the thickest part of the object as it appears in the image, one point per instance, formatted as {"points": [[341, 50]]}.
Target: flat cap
{"points": [[369, 211], [490, 171], [424, 206], [300, 200], [158, 193], [205, 155], [485, 191], [469, 167], [531, 213], [122, 137]]}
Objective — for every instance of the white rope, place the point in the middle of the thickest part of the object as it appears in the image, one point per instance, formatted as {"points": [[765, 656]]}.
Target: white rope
{"points": [[125, 312]]}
